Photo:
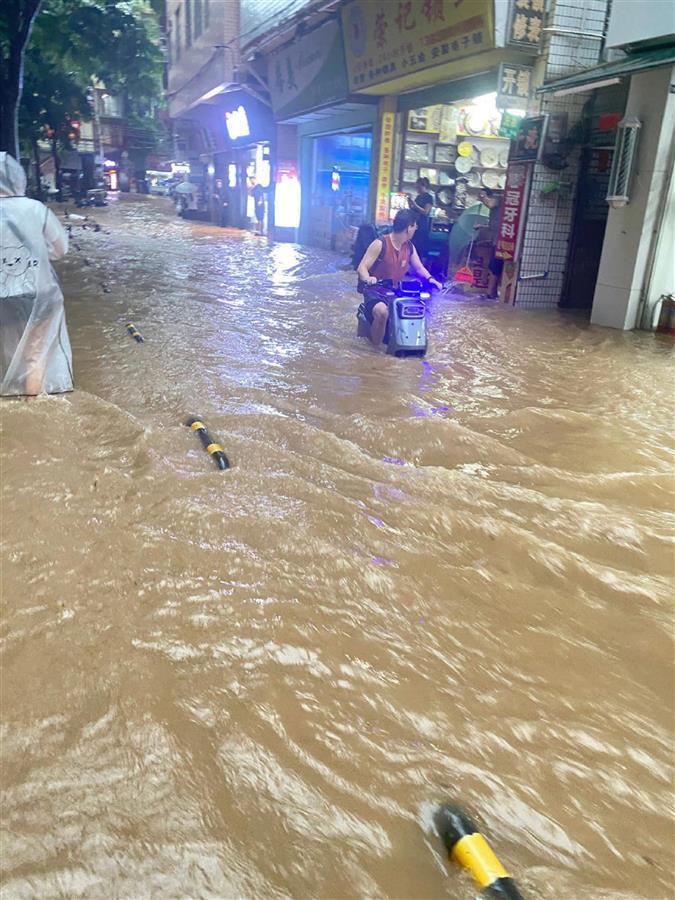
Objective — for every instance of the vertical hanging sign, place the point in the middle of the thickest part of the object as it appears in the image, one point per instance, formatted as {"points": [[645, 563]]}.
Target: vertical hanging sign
{"points": [[512, 212], [525, 25], [384, 167]]}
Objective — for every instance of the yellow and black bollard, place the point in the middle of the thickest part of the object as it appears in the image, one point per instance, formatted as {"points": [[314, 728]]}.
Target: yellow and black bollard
{"points": [[133, 331], [211, 447], [469, 848]]}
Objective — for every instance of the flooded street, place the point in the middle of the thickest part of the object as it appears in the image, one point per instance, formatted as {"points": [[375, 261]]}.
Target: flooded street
{"points": [[421, 580]]}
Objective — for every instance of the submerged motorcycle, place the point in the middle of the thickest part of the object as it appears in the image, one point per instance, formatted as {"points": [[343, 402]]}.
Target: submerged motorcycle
{"points": [[406, 332]]}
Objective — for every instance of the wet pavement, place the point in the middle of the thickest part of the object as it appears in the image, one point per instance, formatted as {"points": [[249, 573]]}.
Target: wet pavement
{"points": [[448, 578]]}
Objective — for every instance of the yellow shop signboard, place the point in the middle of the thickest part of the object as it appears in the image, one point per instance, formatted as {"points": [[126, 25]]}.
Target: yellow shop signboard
{"points": [[387, 39]]}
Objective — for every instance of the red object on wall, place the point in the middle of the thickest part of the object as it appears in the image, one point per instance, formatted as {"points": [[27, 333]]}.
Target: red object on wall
{"points": [[609, 121]]}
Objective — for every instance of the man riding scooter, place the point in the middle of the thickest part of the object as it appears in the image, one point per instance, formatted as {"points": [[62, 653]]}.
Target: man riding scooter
{"points": [[388, 258]]}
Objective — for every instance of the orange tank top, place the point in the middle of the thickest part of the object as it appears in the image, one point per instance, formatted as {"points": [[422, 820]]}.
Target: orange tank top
{"points": [[392, 263]]}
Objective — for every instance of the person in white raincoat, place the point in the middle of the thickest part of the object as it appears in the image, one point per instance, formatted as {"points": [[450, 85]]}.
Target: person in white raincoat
{"points": [[35, 354]]}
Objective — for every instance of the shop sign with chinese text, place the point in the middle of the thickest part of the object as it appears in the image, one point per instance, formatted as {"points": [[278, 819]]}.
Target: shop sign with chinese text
{"points": [[512, 212], [525, 24], [386, 39], [513, 86], [509, 125], [309, 73], [384, 167]]}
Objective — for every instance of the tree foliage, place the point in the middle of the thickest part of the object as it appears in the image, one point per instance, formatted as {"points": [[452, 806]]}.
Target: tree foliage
{"points": [[51, 97], [113, 41], [73, 44], [16, 21]]}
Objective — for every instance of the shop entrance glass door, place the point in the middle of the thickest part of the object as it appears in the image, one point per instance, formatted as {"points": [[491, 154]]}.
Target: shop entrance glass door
{"points": [[341, 182]]}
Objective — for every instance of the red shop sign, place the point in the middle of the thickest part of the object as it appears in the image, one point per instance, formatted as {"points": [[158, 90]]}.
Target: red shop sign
{"points": [[513, 205]]}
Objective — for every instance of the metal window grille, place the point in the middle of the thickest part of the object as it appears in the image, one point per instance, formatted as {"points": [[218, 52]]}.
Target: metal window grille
{"points": [[623, 163]]}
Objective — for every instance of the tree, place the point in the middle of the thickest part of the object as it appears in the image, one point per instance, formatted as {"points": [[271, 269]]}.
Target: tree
{"points": [[113, 41], [52, 99], [75, 43], [16, 21]]}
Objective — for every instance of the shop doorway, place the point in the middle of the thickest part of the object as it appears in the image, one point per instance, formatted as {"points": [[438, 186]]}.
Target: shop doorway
{"points": [[340, 188], [602, 115], [241, 170], [588, 230], [451, 153], [257, 187]]}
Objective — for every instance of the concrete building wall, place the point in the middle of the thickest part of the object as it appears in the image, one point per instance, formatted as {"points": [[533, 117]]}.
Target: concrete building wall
{"points": [[632, 231], [640, 20], [567, 49], [663, 275], [205, 63]]}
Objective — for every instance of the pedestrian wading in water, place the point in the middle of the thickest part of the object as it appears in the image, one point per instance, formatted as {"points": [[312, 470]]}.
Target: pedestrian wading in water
{"points": [[35, 356]]}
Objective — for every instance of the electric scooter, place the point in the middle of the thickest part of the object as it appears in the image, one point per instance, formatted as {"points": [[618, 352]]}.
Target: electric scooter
{"points": [[406, 331]]}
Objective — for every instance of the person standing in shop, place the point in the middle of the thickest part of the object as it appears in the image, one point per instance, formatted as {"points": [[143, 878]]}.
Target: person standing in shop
{"points": [[489, 233], [258, 194], [422, 205], [221, 203]]}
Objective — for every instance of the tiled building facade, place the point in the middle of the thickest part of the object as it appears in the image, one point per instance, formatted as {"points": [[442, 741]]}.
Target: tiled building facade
{"points": [[573, 42]]}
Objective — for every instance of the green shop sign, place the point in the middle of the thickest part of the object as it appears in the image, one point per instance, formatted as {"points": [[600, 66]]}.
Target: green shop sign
{"points": [[509, 126], [309, 73]]}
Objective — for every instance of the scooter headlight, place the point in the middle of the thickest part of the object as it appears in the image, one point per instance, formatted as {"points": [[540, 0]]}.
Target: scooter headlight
{"points": [[424, 295]]}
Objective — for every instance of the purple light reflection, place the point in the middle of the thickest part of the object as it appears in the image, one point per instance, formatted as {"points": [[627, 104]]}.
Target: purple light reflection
{"points": [[394, 460], [382, 561], [419, 412]]}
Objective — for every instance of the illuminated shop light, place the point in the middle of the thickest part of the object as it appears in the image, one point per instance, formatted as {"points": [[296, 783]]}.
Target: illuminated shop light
{"points": [[287, 202], [236, 121]]}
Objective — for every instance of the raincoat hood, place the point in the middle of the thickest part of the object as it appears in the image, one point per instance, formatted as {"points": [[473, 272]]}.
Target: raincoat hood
{"points": [[12, 177]]}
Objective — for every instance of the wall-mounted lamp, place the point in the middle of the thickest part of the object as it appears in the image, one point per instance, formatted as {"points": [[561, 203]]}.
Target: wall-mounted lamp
{"points": [[623, 163]]}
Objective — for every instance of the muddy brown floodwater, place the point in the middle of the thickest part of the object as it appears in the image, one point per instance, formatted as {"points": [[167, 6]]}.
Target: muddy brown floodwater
{"points": [[421, 580]]}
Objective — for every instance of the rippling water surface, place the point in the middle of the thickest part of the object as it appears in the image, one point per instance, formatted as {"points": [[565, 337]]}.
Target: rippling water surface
{"points": [[420, 580]]}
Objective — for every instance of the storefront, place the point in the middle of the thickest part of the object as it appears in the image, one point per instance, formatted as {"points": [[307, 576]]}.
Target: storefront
{"points": [[245, 165], [458, 150], [336, 177], [444, 74], [230, 140], [328, 180]]}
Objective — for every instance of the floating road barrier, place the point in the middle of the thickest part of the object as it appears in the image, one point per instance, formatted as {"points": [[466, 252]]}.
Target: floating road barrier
{"points": [[469, 848], [210, 445], [136, 335]]}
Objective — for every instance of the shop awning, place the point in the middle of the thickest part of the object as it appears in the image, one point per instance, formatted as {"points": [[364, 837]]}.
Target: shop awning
{"points": [[612, 72]]}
